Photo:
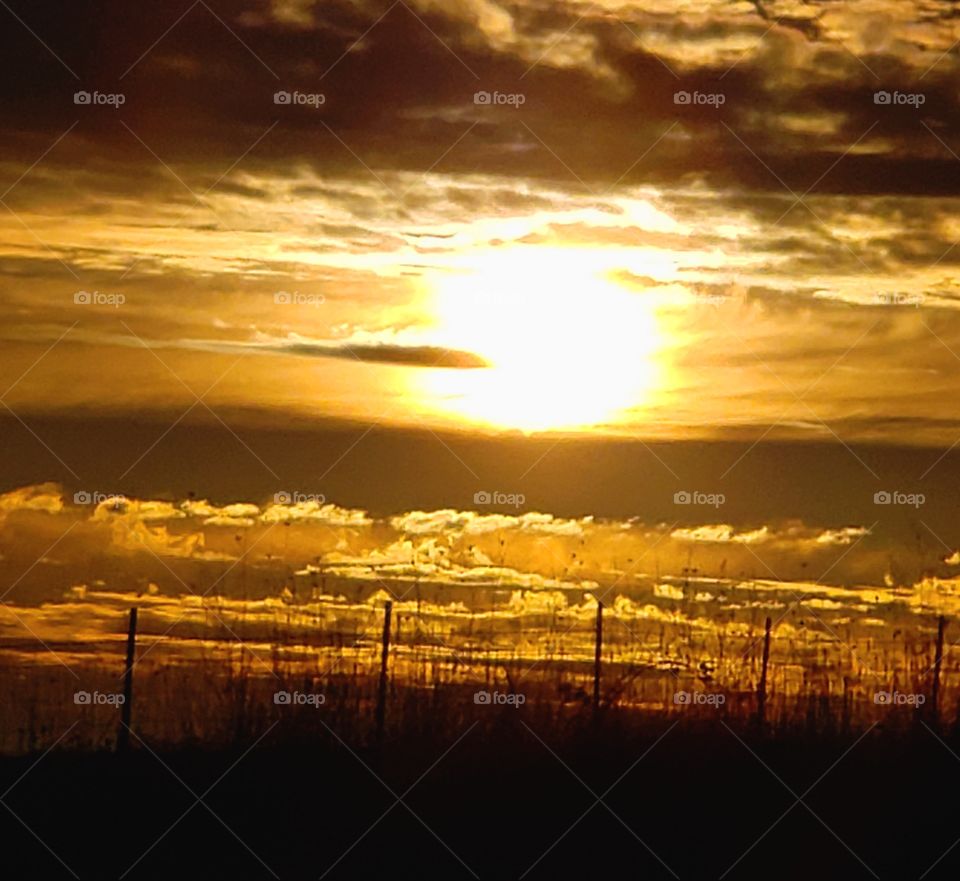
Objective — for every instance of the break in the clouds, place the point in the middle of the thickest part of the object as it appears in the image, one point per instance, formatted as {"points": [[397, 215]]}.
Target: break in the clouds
{"points": [[361, 188]]}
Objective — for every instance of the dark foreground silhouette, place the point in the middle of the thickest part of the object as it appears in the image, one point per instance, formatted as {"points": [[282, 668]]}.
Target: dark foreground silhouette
{"points": [[503, 798]]}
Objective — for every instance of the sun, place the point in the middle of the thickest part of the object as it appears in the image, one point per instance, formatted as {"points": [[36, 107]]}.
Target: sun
{"points": [[568, 347]]}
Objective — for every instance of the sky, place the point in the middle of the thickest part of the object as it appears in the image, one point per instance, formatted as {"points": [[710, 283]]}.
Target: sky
{"points": [[407, 256]]}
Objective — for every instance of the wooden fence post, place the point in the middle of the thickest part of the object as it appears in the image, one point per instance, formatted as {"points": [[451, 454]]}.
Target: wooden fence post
{"points": [[596, 658], [762, 689], [935, 691], [385, 654], [126, 708]]}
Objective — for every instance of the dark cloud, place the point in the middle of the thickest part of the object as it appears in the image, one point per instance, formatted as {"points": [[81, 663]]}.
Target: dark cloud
{"points": [[403, 94], [410, 356]]}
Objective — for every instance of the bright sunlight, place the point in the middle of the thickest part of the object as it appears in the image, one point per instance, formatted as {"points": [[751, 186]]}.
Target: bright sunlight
{"points": [[568, 347]]}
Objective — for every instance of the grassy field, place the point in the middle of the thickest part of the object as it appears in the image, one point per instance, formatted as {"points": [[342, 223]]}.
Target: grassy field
{"points": [[256, 748], [210, 674]]}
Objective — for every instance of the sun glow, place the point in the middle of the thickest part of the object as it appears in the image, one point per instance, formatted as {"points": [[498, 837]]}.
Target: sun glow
{"points": [[567, 346]]}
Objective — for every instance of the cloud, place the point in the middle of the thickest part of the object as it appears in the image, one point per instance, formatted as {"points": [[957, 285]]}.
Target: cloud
{"points": [[45, 497], [239, 515], [132, 535], [316, 512], [720, 533], [296, 344], [172, 543], [452, 521], [409, 356], [843, 537], [114, 507]]}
